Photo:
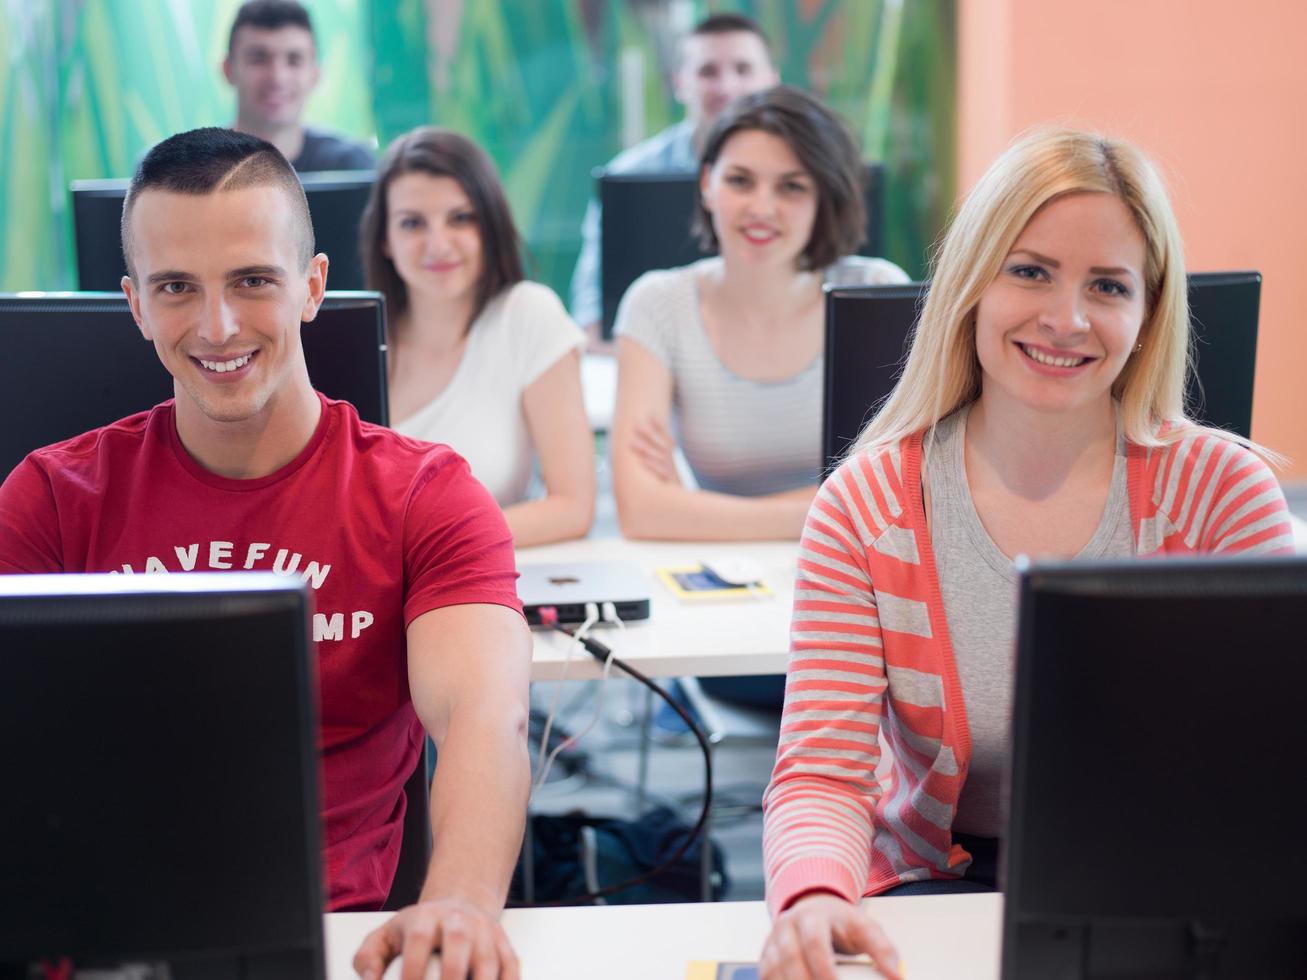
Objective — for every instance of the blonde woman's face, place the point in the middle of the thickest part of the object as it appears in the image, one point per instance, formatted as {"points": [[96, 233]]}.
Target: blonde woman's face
{"points": [[1059, 322]]}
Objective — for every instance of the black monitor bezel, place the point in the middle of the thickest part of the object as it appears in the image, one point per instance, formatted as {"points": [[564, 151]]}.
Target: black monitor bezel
{"points": [[1110, 934], [376, 411], [834, 449], [610, 294], [88, 245], [28, 601]]}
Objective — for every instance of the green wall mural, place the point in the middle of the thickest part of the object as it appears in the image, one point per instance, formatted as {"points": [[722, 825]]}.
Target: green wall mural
{"points": [[551, 88], [30, 181], [92, 84], [544, 86]]}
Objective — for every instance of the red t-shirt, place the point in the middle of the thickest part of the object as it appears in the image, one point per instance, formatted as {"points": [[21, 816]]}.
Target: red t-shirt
{"points": [[382, 527]]}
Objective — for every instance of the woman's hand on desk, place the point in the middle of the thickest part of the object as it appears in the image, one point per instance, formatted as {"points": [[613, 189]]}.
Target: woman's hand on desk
{"points": [[805, 937], [470, 941]]}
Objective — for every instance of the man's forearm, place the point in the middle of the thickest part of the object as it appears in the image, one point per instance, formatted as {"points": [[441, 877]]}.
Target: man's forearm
{"points": [[478, 806]]}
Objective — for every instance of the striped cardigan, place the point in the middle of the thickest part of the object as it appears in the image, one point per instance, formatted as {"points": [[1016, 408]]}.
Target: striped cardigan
{"points": [[871, 659]]}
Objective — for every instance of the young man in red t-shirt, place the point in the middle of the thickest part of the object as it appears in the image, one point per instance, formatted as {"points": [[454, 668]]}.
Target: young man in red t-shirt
{"points": [[417, 620]]}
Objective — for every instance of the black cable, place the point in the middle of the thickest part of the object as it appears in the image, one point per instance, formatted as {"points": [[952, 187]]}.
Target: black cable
{"points": [[731, 804], [603, 654]]}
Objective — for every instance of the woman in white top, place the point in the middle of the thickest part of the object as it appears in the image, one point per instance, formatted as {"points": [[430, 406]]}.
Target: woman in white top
{"points": [[479, 358], [727, 353]]}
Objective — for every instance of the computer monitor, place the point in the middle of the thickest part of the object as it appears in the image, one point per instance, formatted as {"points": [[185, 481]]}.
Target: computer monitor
{"points": [[1224, 308], [76, 361], [1155, 811], [158, 752], [868, 330], [336, 200], [645, 224]]}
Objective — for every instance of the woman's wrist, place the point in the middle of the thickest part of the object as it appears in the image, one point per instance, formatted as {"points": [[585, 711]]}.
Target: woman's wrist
{"points": [[818, 892]]}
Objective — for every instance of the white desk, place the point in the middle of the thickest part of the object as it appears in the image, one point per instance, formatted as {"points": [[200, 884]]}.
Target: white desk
{"points": [[705, 638], [657, 942], [599, 389], [1299, 534]]}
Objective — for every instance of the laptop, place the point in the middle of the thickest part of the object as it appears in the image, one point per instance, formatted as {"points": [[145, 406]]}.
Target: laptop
{"points": [[567, 587]]}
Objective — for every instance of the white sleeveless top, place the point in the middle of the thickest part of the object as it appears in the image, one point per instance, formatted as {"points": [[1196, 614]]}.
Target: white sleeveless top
{"points": [[520, 334]]}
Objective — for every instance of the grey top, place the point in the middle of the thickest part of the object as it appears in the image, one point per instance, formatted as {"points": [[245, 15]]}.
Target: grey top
{"points": [[739, 436], [978, 585], [668, 152], [327, 151]]}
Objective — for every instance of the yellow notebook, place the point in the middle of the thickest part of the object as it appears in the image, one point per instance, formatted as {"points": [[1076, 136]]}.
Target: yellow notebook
{"points": [[847, 967], [712, 970], [695, 582]]}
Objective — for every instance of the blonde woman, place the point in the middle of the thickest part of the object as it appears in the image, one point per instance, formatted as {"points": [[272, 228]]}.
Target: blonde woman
{"points": [[1040, 413]]}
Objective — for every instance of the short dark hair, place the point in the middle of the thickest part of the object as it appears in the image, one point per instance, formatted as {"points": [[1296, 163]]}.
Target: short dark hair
{"points": [[731, 24], [202, 161], [268, 15], [442, 153], [826, 148]]}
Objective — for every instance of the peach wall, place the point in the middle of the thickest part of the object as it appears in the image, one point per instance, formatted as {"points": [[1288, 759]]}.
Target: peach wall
{"points": [[1217, 94]]}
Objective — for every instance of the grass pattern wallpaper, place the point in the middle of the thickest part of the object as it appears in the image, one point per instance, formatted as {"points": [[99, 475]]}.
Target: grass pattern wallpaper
{"points": [[30, 208], [551, 88], [92, 84]]}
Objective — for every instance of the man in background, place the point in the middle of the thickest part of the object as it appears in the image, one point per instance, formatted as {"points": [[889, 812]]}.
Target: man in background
{"points": [[724, 57], [272, 63]]}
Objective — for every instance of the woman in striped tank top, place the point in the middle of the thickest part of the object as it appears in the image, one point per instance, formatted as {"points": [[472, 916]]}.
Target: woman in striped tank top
{"points": [[723, 357], [1040, 413]]}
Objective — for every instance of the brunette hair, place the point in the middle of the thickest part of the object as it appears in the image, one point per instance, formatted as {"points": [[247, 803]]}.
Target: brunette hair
{"points": [[826, 149], [442, 153]]}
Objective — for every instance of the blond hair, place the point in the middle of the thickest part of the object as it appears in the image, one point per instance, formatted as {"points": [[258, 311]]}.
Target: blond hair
{"points": [[942, 373]]}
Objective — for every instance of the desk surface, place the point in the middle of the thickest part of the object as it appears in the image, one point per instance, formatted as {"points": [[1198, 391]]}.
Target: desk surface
{"points": [[703, 638], [599, 389], [708, 638], [657, 942]]}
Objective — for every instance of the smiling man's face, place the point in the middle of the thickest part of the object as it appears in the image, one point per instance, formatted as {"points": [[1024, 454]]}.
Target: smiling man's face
{"points": [[273, 72], [221, 290]]}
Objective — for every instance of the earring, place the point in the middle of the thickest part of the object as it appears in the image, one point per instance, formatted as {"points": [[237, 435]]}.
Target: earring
{"points": [[1139, 346]]}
